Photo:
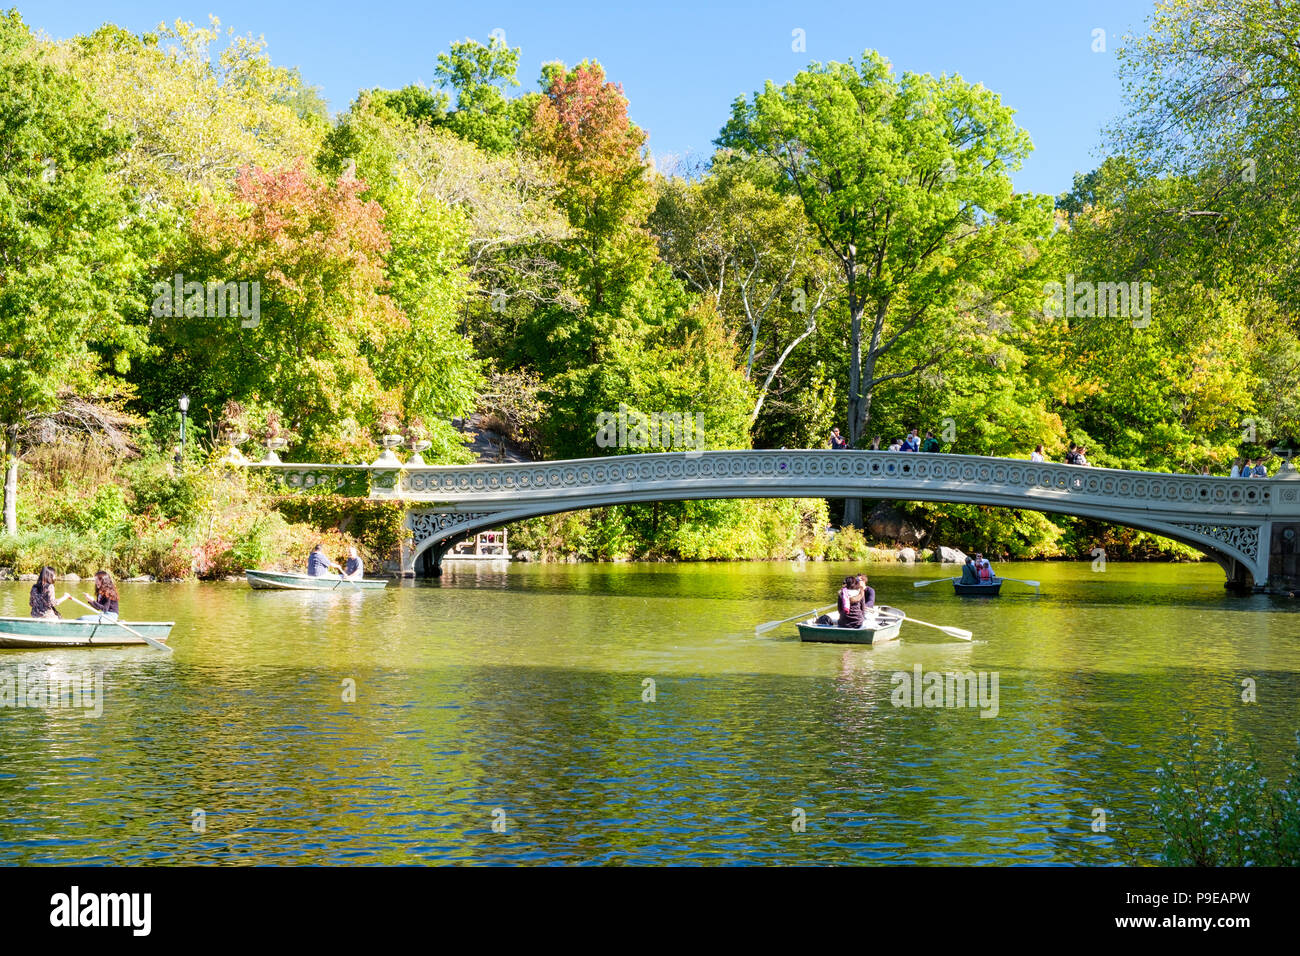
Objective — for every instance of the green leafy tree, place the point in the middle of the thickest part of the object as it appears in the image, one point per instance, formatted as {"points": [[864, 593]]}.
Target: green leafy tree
{"points": [[466, 227], [197, 114], [749, 249], [66, 263], [906, 182], [481, 77], [316, 251]]}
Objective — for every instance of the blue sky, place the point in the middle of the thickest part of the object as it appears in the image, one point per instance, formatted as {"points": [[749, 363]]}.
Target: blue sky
{"points": [[682, 64]]}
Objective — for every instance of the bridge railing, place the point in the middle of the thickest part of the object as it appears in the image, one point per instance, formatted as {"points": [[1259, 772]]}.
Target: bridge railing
{"points": [[870, 472]]}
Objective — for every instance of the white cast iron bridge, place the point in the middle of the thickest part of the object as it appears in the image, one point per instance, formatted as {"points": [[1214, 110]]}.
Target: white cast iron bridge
{"points": [[1247, 525]]}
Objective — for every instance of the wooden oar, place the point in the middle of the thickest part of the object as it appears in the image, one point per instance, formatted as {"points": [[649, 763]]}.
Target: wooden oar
{"points": [[148, 640], [764, 628], [922, 584], [958, 632]]}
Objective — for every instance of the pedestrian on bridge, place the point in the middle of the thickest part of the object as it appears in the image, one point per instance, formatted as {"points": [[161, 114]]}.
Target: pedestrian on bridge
{"points": [[837, 441]]}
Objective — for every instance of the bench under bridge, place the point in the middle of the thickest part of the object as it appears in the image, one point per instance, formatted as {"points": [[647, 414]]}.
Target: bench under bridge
{"points": [[1248, 525]]}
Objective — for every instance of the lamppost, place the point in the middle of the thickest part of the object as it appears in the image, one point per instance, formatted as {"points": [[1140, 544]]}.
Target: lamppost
{"points": [[184, 403]]}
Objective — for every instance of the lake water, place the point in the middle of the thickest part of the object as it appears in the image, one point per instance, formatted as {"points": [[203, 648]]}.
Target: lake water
{"points": [[514, 695]]}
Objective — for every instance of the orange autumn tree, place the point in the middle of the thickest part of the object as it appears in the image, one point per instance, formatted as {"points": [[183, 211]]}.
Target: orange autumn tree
{"points": [[583, 126], [315, 250]]}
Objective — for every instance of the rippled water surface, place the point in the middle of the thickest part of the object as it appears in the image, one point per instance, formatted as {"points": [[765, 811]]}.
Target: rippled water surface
{"points": [[517, 692]]}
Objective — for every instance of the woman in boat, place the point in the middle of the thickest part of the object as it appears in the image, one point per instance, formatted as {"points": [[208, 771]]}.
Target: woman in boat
{"points": [[42, 600], [843, 602], [868, 592], [852, 610], [104, 600], [352, 568], [983, 569]]}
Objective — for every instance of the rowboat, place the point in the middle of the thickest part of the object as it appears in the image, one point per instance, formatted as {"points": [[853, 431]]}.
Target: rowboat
{"points": [[40, 632], [991, 589], [288, 581], [881, 624]]}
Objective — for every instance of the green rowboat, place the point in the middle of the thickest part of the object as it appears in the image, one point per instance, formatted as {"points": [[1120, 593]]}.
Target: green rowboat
{"points": [[40, 632], [287, 581], [881, 624], [989, 588]]}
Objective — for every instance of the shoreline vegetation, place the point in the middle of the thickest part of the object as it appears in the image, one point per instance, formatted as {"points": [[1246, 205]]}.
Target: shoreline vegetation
{"points": [[144, 518]]}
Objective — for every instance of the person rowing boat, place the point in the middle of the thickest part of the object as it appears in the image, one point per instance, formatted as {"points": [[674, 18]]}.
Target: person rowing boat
{"points": [[868, 593], [318, 562], [42, 600], [968, 573], [856, 597]]}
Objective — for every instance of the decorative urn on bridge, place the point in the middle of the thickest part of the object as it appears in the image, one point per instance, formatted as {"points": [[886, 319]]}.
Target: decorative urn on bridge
{"points": [[419, 447], [1287, 450], [388, 458]]}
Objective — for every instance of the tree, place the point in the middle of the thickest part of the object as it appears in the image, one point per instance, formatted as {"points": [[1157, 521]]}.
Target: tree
{"points": [[196, 115], [582, 124], [316, 251], [464, 224], [66, 263], [749, 249], [906, 183]]}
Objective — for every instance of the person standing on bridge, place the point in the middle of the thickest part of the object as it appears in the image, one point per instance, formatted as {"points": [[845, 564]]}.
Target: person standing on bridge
{"points": [[1036, 454], [1236, 468], [838, 442], [912, 442], [1260, 470], [931, 443]]}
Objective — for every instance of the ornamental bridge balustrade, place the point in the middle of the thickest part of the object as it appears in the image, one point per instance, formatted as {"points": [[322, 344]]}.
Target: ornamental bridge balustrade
{"points": [[1239, 522]]}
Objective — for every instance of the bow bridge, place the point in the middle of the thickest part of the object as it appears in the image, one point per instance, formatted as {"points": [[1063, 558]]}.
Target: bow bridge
{"points": [[1248, 525]]}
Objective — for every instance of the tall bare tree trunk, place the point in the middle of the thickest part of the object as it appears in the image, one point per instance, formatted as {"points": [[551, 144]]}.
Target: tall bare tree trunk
{"points": [[853, 506], [11, 479], [862, 373]]}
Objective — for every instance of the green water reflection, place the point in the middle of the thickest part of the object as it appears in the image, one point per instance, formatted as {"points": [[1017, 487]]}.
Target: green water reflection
{"points": [[520, 688]]}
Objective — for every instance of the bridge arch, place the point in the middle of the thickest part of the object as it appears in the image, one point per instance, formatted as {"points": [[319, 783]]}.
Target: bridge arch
{"points": [[433, 530]]}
